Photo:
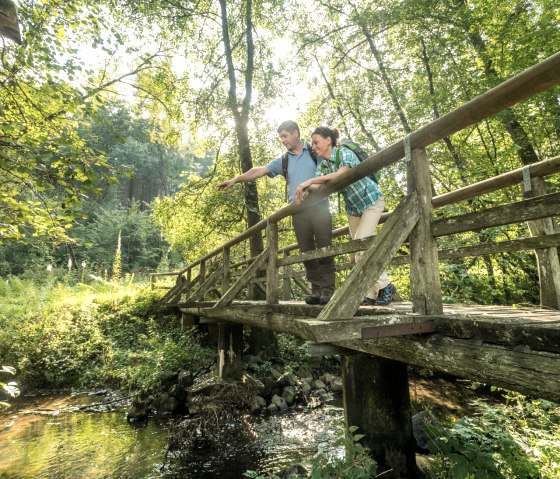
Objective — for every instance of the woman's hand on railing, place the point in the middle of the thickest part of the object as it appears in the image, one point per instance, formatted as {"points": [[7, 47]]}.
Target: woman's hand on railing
{"points": [[301, 191]]}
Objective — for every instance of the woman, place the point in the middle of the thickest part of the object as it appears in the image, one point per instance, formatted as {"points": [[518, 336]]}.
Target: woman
{"points": [[364, 201]]}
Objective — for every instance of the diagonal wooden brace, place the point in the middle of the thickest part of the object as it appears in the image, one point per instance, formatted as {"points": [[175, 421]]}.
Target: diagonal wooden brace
{"points": [[249, 274], [346, 300]]}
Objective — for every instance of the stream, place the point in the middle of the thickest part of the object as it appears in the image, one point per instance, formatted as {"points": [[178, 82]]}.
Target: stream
{"points": [[48, 437]]}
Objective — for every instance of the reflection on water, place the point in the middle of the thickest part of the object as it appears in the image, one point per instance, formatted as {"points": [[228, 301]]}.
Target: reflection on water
{"points": [[82, 445]]}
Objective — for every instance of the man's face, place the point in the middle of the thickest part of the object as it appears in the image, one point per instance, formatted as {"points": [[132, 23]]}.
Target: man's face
{"points": [[289, 140]]}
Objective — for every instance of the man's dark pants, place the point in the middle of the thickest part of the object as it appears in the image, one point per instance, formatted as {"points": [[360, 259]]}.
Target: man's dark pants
{"points": [[313, 228]]}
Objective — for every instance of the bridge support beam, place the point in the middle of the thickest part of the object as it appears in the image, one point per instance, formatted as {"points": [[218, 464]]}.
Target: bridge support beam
{"points": [[378, 403], [230, 350]]}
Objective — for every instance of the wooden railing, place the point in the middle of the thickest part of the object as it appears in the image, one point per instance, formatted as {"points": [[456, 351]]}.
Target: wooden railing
{"points": [[227, 272]]}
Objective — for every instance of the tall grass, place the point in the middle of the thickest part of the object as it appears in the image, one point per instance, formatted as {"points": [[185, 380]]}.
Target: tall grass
{"points": [[57, 335]]}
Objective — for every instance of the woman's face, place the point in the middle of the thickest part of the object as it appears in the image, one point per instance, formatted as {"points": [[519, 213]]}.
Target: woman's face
{"points": [[321, 146]]}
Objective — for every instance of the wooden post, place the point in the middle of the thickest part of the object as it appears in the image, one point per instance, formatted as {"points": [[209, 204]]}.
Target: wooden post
{"points": [[188, 282], [226, 276], [202, 273], [230, 350], [287, 283], [272, 267], [152, 282], [424, 270], [378, 403], [547, 259]]}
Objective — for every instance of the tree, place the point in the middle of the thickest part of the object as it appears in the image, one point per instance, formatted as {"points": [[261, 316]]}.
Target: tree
{"points": [[45, 91]]}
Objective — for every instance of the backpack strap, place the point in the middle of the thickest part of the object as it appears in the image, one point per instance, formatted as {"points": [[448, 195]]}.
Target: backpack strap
{"points": [[285, 173]]}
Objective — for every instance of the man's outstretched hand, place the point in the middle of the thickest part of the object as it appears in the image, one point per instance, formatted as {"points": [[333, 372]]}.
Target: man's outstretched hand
{"points": [[226, 184]]}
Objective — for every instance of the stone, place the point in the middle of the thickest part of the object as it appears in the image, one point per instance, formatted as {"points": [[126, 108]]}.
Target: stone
{"points": [[289, 394], [305, 372], [336, 384], [137, 412], [279, 402], [318, 384], [179, 392], [272, 408], [286, 379], [166, 404], [294, 471], [327, 378], [258, 404], [306, 387], [268, 385], [275, 373], [185, 378]]}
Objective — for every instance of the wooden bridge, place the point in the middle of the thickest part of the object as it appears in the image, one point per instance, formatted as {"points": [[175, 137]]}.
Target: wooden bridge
{"points": [[513, 347]]}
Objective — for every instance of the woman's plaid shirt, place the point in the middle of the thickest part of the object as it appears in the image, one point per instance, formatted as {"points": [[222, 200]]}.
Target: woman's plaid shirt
{"points": [[361, 194]]}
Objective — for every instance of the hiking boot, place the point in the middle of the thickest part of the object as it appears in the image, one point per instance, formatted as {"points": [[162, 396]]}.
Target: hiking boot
{"points": [[368, 301], [325, 296], [313, 298], [386, 295]]}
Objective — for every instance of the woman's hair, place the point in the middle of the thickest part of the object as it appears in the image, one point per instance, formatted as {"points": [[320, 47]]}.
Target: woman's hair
{"points": [[327, 132]]}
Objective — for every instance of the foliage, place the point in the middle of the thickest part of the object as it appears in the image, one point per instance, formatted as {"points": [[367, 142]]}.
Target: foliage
{"points": [[10, 389], [354, 463], [46, 166], [519, 439], [59, 336]]}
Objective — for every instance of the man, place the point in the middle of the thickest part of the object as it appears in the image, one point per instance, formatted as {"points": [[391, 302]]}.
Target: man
{"points": [[313, 225]]}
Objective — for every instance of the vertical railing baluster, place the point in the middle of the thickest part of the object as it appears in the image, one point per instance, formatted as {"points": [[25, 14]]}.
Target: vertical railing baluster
{"points": [[425, 283], [272, 268]]}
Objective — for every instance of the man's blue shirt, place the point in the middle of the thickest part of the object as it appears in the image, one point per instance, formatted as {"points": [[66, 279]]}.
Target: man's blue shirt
{"points": [[300, 168]]}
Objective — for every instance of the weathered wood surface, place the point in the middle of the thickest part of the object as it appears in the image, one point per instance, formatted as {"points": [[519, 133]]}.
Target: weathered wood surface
{"points": [[516, 348], [272, 282], [536, 328], [548, 262], [534, 208], [424, 266], [376, 258], [531, 372], [542, 168], [205, 286], [249, 274]]}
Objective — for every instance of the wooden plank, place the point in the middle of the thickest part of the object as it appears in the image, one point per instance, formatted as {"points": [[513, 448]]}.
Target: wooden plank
{"points": [[272, 283], [547, 260], [345, 248], [318, 350], [203, 288], [301, 323], [530, 372], [249, 274], [302, 285], [346, 299], [287, 273], [535, 328], [403, 329], [174, 295], [542, 168], [534, 208], [226, 269], [483, 249], [424, 270]]}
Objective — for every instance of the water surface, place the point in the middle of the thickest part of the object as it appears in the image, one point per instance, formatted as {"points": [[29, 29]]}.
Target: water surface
{"points": [[42, 438]]}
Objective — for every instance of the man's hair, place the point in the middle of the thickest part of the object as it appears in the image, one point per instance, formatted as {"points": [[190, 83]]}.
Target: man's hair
{"points": [[289, 126]]}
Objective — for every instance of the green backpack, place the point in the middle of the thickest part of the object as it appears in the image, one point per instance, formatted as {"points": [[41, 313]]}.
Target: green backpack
{"points": [[361, 154]]}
